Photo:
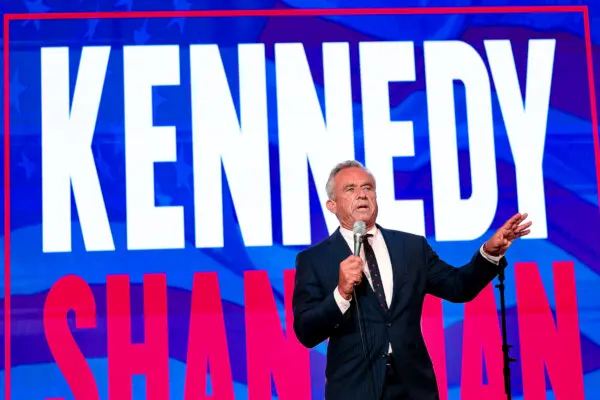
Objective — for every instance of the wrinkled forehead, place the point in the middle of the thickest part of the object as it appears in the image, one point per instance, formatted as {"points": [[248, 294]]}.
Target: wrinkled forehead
{"points": [[353, 177]]}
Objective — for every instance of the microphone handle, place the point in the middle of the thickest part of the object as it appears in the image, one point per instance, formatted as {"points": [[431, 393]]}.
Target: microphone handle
{"points": [[357, 244]]}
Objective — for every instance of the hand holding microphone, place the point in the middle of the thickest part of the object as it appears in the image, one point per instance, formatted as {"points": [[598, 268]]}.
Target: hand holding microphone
{"points": [[351, 269], [350, 275]]}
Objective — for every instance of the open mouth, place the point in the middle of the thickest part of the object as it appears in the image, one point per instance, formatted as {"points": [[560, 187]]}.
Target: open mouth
{"points": [[363, 207]]}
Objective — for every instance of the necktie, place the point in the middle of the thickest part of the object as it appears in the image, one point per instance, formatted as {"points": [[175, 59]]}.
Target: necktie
{"points": [[375, 275]]}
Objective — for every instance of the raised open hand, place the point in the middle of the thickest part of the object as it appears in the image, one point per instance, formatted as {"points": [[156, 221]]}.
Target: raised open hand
{"points": [[511, 230]]}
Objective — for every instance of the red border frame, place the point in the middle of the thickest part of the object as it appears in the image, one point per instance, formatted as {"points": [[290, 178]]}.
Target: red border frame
{"points": [[255, 13]]}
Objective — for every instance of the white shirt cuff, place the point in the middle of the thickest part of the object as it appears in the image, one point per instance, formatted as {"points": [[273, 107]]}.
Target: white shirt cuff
{"points": [[342, 303], [490, 258]]}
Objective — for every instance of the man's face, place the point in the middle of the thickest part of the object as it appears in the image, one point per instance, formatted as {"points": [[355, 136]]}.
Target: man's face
{"points": [[355, 198]]}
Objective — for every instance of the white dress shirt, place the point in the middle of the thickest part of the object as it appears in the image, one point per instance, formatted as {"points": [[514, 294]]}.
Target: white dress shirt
{"points": [[384, 263]]}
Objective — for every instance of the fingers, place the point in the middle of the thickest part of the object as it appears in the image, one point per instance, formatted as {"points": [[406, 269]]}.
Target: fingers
{"points": [[510, 231], [354, 280], [520, 220], [511, 223], [523, 227], [513, 220], [514, 223], [521, 230], [523, 218], [355, 260], [351, 272], [356, 272], [353, 263], [357, 279]]}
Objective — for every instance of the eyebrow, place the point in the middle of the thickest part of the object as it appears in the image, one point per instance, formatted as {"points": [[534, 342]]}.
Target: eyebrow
{"points": [[350, 185]]}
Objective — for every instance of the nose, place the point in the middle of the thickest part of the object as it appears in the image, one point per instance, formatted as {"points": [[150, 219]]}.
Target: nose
{"points": [[362, 194]]}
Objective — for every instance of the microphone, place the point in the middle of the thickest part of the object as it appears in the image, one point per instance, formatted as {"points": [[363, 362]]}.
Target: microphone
{"points": [[359, 229]]}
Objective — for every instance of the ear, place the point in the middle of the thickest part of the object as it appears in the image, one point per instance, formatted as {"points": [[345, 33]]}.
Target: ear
{"points": [[331, 206]]}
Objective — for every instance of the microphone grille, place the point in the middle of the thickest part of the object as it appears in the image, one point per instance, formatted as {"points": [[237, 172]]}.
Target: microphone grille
{"points": [[360, 228]]}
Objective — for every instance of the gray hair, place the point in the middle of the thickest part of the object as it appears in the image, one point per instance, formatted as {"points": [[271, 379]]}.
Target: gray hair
{"points": [[330, 186]]}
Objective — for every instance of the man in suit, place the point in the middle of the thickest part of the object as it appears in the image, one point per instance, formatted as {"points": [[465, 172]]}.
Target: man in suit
{"points": [[391, 277]]}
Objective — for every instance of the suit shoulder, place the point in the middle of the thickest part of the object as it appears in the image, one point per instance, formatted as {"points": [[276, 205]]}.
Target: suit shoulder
{"points": [[314, 249], [407, 237]]}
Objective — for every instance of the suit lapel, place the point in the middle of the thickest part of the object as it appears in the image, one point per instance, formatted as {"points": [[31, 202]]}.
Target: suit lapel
{"points": [[398, 260], [339, 251]]}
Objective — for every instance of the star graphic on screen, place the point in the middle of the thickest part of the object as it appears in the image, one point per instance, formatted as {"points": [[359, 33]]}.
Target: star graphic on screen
{"points": [[27, 165], [116, 130], [184, 173], [235, 252], [180, 5], [16, 90], [128, 4], [157, 99], [92, 25], [162, 199], [103, 167], [36, 7], [141, 36]]}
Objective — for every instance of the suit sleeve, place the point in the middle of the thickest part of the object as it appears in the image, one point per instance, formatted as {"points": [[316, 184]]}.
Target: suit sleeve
{"points": [[316, 312], [458, 285]]}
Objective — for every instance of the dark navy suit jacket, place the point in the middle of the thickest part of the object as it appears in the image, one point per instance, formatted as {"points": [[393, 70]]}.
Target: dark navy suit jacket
{"points": [[417, 271]]}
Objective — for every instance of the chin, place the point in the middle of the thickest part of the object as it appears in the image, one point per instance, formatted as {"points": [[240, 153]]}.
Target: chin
{"points": [[366, 218]]}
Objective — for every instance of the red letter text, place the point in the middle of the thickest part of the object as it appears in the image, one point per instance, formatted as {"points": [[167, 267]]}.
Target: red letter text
{"points": [[268, 349], [71, 293], [150, 358], [542, 342], [207, 342]]}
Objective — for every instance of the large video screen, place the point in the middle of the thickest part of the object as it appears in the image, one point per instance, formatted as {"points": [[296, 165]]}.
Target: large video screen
{"points": [[163, 166]]}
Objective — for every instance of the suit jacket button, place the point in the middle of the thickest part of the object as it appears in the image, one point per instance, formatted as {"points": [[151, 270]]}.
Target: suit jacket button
{"points": [[388, 324]]}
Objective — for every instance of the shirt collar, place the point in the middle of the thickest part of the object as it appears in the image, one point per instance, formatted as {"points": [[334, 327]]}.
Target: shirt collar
{"points": [[349, 235]]}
